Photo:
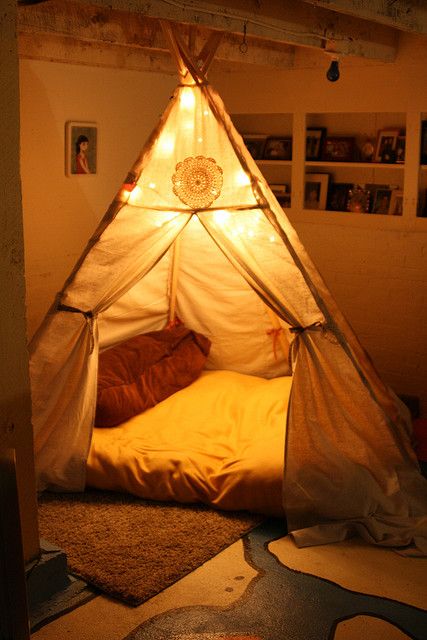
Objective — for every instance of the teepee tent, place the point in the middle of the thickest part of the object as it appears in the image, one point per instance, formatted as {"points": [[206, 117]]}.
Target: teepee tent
{"points": [[195, 232]]}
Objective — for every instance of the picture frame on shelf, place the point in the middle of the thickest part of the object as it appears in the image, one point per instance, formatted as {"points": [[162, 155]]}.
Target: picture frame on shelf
{"points": [[400, 149], [316, 190], [358, 199], [81, 148], [278, 148], [255, 144], [338, 149], [338, 196], [423, 146], [396, 203], [281, 194], [314, 142], [385, 149], [381, 201]]}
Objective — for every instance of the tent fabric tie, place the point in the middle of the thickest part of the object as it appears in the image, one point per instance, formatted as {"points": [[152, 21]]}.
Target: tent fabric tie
{"points": [[89, 316], [298, 331]]}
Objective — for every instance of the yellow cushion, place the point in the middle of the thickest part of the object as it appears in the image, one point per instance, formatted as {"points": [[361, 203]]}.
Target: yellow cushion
{"points": [[219, 441]]}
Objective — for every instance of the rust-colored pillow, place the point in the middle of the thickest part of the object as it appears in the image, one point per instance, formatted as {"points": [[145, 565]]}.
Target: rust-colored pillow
{"points": [[139, 373]]}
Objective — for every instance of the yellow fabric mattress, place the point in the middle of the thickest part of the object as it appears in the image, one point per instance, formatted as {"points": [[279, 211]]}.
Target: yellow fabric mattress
{"points": [[219, 441]]}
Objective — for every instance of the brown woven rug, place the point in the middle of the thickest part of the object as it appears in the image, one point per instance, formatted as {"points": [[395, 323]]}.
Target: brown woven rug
{"points": [[132, 548]]}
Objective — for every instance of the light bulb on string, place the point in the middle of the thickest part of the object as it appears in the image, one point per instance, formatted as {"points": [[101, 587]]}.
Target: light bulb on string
{"points": [[333, 73]]}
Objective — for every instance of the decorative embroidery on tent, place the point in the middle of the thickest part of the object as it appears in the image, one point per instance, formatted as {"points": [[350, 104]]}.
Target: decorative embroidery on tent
{"points": [[197, 181], [275, 334]]}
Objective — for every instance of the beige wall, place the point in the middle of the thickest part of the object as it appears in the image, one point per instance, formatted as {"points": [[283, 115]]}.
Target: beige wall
{"points": [[15, 410], [378, 275]]}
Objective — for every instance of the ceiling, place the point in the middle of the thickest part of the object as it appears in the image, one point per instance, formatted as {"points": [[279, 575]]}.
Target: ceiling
{"points": [[263, 32]]}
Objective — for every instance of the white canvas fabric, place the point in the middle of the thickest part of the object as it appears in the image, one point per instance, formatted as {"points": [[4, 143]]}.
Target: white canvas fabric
{"points": [[196, 232]]}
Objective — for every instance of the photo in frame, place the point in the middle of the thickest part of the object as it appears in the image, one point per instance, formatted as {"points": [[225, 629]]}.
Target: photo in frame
{"points": [[396, 203], [281, 194], [81, 148], [381, 201], [339, 148], [385, 150], [278, 148], [400, 149], [338, 194], [316, 190], [314, 142], [358, 199], [255, 144]]}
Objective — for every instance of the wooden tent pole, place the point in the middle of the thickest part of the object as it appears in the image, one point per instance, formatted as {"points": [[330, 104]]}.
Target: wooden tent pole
{"points": [[186, 59], [208, 52], [173, 279], [173, 46]]}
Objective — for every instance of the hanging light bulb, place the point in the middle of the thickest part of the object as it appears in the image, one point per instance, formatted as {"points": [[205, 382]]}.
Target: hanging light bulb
{"points": [[333, 73]]}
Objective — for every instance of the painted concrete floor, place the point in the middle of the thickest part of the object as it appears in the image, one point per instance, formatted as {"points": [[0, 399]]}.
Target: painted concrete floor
{"points": [[264, 588]]}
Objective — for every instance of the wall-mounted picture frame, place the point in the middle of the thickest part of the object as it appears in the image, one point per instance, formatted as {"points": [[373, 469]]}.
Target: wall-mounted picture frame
{"points": [[316, 190], [381, 201], [339, 149], [81, 148], [385, 149], [396, 203], [278, 148], [314, 142]]}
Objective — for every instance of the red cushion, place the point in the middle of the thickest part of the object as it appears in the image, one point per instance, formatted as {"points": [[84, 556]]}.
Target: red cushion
{"points": [[139, 373]]}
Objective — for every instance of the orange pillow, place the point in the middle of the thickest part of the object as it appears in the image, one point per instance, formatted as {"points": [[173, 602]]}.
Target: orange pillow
{"points": [[142, 371]]}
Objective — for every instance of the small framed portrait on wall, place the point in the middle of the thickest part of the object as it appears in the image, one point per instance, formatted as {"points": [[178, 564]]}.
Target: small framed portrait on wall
{"points": [[81, 148]]}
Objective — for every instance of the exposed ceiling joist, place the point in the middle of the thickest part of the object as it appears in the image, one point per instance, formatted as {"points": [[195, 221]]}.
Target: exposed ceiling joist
{"points": [[73, 32], [405, 15], [287, 21]]}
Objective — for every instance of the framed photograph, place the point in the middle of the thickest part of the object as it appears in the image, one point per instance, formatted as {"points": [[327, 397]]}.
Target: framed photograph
{"points": [[385, 150], [381, 201], [255, 144], [396, 203], [316, 190], [400, 149], [282, 194], [339, 149], [358, 199], [338, 194], [81, 141], [314, 142], [278, 149]]}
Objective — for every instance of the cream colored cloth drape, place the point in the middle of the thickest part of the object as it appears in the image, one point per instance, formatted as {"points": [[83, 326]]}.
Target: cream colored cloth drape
{"points": [[349, 462]]}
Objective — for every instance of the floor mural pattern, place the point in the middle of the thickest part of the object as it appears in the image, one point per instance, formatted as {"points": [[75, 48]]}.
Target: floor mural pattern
{"points": [[280, 604]]}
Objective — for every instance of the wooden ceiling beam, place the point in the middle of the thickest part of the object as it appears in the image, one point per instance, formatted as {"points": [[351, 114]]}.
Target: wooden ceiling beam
{"points": [[404, 15], [287, 21], [89, 31], [283, 22]]}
